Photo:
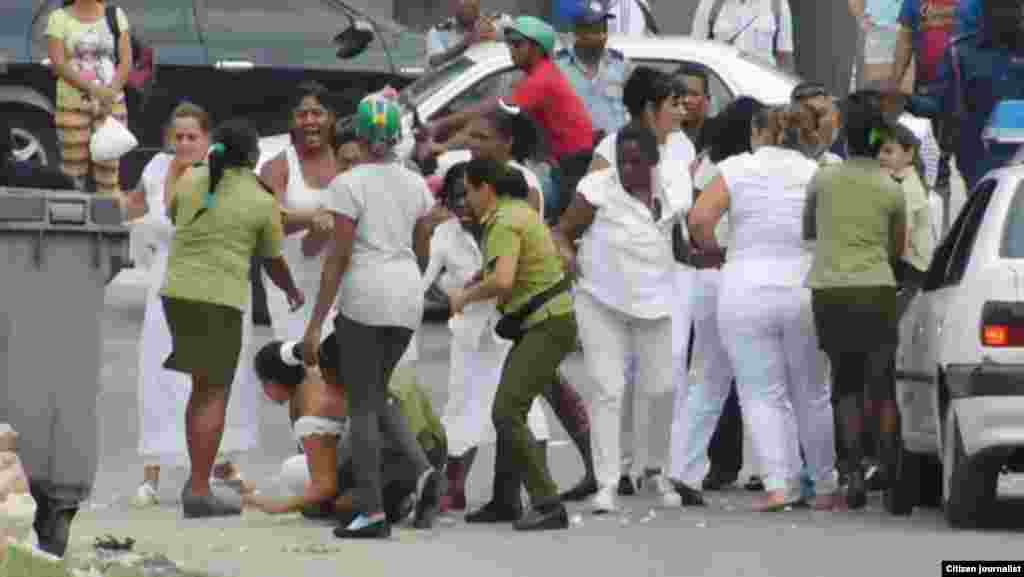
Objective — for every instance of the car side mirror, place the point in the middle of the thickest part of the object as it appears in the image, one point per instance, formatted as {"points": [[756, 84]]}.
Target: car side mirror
{"points": [[354, 40]]}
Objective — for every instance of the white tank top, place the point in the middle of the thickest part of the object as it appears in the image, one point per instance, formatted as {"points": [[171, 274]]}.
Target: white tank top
{"points": [[298, 195]]}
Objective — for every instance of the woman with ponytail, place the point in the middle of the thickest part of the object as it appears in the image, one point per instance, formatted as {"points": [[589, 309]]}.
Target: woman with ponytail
{"points": [[764, 310], [223, 216]]}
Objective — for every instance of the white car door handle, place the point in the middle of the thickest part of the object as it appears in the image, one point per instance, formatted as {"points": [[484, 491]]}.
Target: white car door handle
{"points": [[235, 65]]}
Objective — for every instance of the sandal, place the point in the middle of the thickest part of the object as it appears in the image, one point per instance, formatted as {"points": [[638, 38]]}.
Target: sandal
{"points": [[774, 502]]}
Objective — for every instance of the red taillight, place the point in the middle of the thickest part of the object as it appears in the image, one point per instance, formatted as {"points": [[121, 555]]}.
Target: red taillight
{"points": [[995, 335], [1002, 324]]}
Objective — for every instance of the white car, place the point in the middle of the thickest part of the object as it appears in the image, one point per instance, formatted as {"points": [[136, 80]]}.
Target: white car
{"points": [[486, 70], [960, 369]]}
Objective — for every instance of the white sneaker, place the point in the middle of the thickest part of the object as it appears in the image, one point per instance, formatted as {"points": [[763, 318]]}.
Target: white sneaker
{"points": [[145, 496], [662, 487], [604, 501]]}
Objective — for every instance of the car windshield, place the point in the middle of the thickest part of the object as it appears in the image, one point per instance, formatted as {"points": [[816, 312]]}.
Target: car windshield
{"points": [[1013, 234], [432, 81], [762, 62]]}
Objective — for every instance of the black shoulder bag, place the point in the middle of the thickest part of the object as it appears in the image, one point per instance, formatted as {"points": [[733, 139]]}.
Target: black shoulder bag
{"points": [[510, 326]]}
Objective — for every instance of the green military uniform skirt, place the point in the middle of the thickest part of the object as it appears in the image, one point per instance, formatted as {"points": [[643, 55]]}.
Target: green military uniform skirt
{"points": [[856, 319], [206, 339]]}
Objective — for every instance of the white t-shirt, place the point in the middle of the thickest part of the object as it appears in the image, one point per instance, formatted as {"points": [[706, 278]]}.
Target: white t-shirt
{"points": [[767, 194], [629, 17], [625, 256], [751, 22], [449, 159], [673, 176], [929, 150], [383, 285]]}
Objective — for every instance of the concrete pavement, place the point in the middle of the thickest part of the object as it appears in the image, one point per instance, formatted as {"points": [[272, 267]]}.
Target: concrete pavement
{"points": [[723, 539]]}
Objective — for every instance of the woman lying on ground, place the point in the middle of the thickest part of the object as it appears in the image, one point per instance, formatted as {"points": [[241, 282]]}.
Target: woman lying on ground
{"points": [[317, 481]]}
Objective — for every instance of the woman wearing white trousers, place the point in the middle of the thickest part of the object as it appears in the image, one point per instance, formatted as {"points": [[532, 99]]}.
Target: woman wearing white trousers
{"points": [[699, 408], [624, 293], [764, 311], [645, 100]]}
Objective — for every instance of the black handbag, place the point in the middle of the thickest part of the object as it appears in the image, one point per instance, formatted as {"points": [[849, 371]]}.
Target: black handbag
{"points": [[510, 325]]}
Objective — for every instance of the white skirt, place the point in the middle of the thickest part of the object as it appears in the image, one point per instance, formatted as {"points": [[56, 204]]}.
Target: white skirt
{"points": [[474, 376], [163, 394], [290, 325]]}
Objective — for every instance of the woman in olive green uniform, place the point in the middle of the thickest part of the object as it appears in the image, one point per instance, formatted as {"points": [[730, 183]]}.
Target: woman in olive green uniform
{"points": [[523, 270]]}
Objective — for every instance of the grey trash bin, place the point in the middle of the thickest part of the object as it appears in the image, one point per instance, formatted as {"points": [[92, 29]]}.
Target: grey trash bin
{"points": [[57, 252]]}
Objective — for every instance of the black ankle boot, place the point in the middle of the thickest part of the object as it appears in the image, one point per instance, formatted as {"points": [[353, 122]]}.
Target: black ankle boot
{"points": [[902, 481], [856, 490]]}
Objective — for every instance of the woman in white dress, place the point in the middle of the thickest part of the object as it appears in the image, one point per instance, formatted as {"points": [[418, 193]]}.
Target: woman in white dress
{"points": [[163, 394], [298, 176]]}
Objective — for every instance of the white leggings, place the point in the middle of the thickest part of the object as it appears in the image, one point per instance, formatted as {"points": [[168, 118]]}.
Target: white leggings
{"points": [[781, 380]]}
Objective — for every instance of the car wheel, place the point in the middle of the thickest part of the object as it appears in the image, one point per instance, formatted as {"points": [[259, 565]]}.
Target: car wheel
{"points": [[970, 483], [33, 134], [904, 487], [930, 475]]}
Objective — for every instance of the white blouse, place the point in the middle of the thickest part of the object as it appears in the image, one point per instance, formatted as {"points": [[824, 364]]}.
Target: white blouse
{"points": [[625, 256], [767, 193]]}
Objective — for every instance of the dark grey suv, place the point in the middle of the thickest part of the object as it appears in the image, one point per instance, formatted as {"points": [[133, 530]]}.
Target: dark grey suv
{"points": [[233, 57]]}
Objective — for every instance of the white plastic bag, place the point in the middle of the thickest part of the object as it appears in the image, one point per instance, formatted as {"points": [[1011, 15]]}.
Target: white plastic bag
{"points": [[111, 141]]}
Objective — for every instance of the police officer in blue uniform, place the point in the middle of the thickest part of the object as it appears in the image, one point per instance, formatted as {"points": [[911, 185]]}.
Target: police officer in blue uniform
{"points": [[466, 27], [597, 72], [982, 68]]}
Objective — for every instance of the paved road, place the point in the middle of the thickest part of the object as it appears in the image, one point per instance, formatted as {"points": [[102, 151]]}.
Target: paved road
{"points": [[723, 539]]}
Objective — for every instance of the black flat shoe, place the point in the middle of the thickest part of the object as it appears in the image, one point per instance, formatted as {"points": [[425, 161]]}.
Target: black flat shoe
{"points": [[716, 480], [377, 530], [856, 491], [754, 484], [549, 519], [690, 496], [582, 490], [626, 487], [494, 513]]}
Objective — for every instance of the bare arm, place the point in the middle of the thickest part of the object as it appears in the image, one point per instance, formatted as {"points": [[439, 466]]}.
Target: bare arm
{"points": [[904, 54], [856, 8], [535, 199], [597, 162], [706, 213], [571, 225], [322, 457], [278, 271], [335, 265], [124, 55], [810, 216], [457, 120], [60, 67]]}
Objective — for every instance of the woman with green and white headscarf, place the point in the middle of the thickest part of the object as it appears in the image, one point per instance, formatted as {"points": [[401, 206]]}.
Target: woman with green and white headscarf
{"points": [[384, 216]]}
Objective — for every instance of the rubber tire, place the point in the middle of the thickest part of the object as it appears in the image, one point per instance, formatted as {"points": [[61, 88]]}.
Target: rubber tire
{"points": [[930, 475], [973, 481], [903, 491], [38, 123]]}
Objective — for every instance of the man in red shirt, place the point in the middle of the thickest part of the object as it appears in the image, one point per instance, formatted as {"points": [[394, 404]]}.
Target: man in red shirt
{"points": [[549, 99]]}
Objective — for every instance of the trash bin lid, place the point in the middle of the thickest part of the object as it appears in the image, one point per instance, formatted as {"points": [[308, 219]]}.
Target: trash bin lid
{"points": [[34, 209]]}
